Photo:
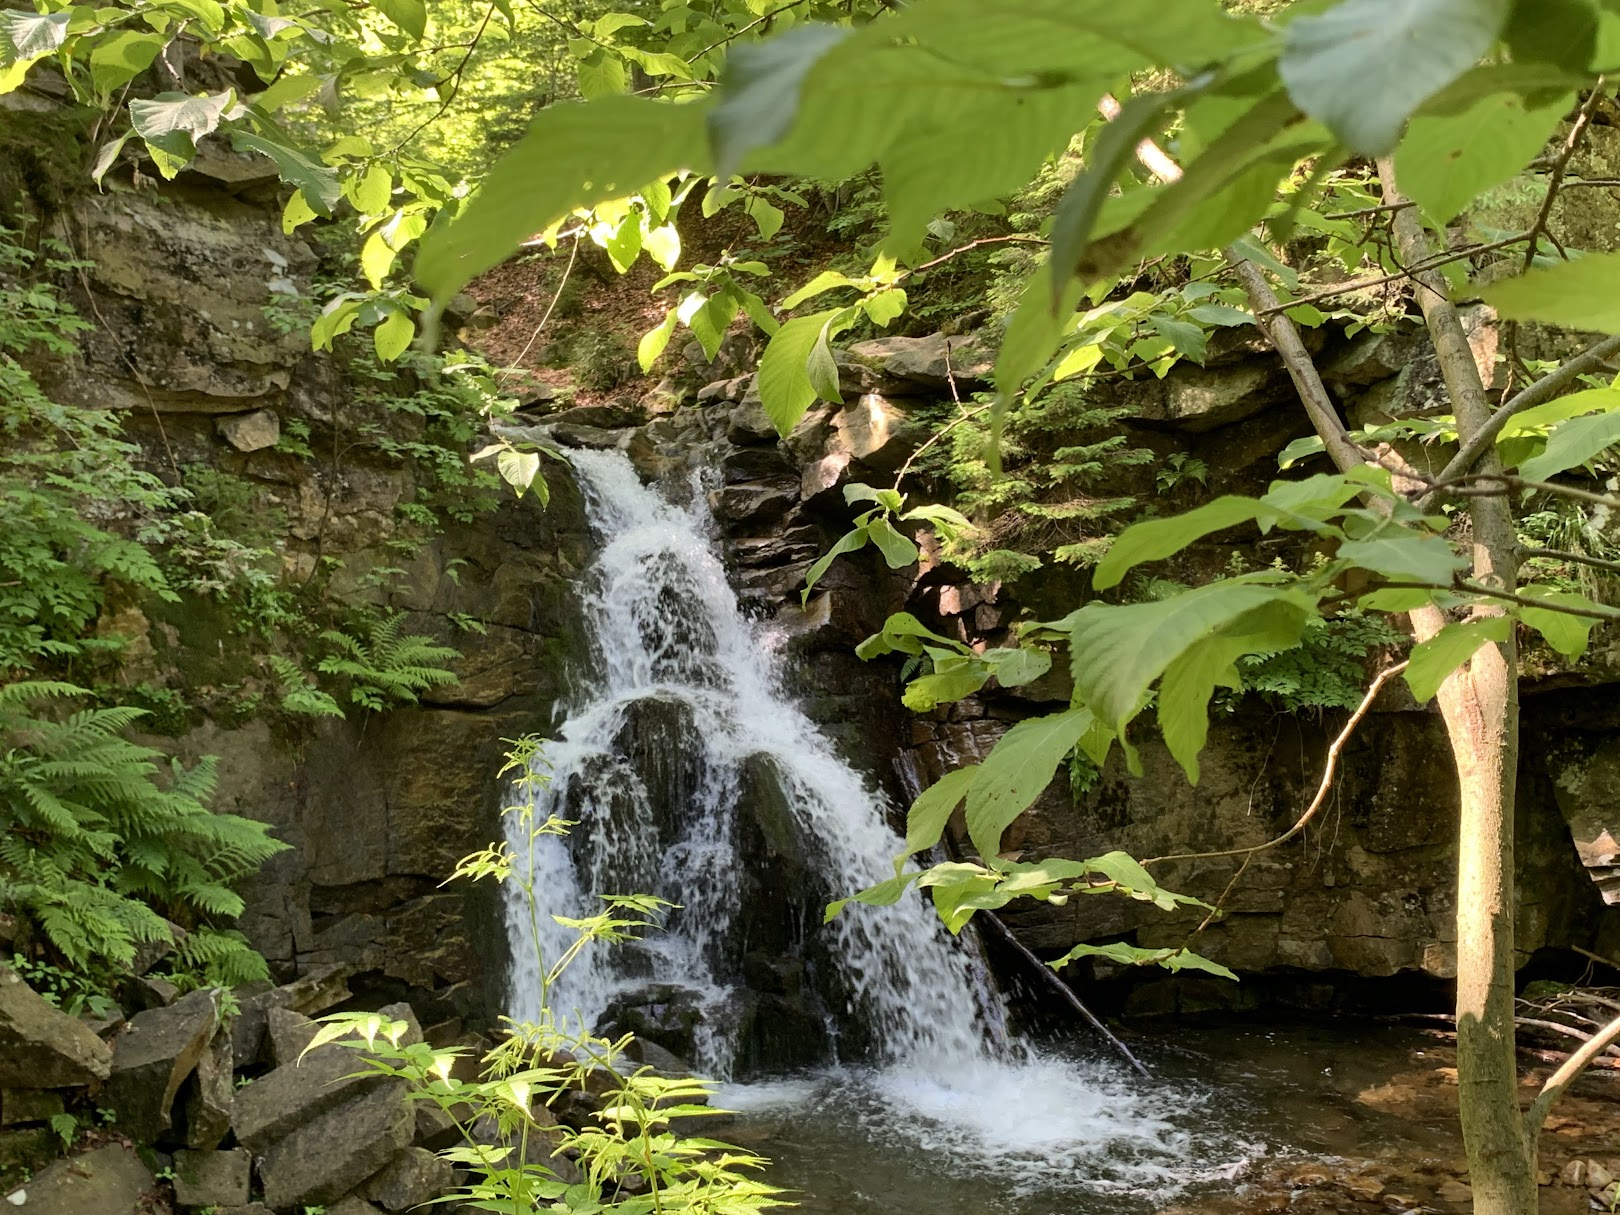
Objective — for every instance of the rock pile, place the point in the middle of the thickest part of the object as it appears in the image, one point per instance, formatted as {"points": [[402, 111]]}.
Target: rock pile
{"points": [[218, 1090]]}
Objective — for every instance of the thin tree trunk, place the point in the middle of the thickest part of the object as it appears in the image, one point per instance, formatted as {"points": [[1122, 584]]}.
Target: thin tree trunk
{"points": [[1480, 706]]}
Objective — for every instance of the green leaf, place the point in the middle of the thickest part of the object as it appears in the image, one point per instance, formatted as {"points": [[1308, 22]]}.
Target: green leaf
{"points": [[1565, 633], [663, 245], [766, 216], [827, 280], [851, 541], [319, 184], [624, 246], [885, 307], [821, 368], [1447, 161], [1364, 66], [376, 260], [1579, 294], [409, 15], [944, 687], [1560, 32], [1156, 539], [1406, 555], [518, 468], [654, 341], [888, 499], [925, 821], [179, 113], [902, 633], [759, 92], [884, 894], [1015, 668], [122, 57], [898, 551], [601, 74], [372, 191], [1572, 443], [25, 36], [1117, 652], [1435, 659], [1018, 768], [1190, 681], [393, 337], [785, 390], [573, 156]]}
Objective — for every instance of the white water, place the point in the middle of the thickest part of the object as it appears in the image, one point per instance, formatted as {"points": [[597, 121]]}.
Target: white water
{"points": [[667, 638]]}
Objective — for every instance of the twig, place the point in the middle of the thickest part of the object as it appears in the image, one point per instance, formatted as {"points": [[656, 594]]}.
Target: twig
{"points": [[1063, 989], [1491, 592], [1544, 389], [1555, 180], [1013, 238], [738, 33], [1596, 957], [937, 436], [1508, 482], [1558, 554], [517, 364], [1335, 749], [1560, 1080]]}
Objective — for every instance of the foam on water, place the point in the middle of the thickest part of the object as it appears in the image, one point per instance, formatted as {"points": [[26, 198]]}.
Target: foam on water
{"points": [[667, 638]]}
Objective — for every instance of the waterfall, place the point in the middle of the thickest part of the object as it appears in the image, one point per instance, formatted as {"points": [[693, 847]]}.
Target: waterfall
{"points": [[689, 774], [680, 742]]}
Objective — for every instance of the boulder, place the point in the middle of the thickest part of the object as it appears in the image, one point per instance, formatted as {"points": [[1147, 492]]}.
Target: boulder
{"points": [[289, 1033], [324, 1159], [929, 362], [41, 1046], [207, 1099], [108, 1181], [212, 1179], [253, 1208], [250, 431], [24, 1151], [317, 990], [352, 1205], [291, 1096], [412, 1178], [158, 1049]]}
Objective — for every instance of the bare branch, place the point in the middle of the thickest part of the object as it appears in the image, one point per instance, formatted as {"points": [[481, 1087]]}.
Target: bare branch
{"points": [[1556, 177], [1330, 767], [1558, 1083], [1558, 554]]}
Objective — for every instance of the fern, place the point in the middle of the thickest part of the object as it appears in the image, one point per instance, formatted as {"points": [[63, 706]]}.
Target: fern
{"points": [[387, 667], [106, 839]]}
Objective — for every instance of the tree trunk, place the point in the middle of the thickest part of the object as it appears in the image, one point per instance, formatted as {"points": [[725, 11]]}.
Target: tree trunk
{"points": [[1480, 706]]}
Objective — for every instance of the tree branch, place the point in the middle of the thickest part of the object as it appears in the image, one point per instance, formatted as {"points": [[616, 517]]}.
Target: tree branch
{"points": [[1558, 554], [1330, 767], [1544, 389], [1556, 177], [1558, 1083]]}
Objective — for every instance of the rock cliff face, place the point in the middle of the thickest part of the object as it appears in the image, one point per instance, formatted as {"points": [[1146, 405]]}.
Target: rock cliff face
{"points": [[380, 807]]}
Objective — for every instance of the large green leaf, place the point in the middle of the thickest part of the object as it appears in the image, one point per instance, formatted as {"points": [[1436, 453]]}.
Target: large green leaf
{"points": [[1405, 555], [122, 57], [945, 686], [179, 114], [1435, 659], [1191, 679], [759, 92], [573, 156], [1156, 539], [1364, 66], [319, 184], [1019, 766], [1117, 652], [1566, 633], [1572, 443], [1579, 294], [409, 15], [25, 37], [1446, 161], [925, 821], [1560, 32], [784, 384]]}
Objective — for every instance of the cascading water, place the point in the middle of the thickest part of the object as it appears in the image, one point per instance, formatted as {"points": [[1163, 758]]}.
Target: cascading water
{"points": [[690, 775]]}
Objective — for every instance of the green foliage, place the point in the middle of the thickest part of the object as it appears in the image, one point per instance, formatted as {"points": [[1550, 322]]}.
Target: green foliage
{"points": [[1049, 500], [382, 666], [600, 360], [540, 1061], [1327, 669], [105, 837]]}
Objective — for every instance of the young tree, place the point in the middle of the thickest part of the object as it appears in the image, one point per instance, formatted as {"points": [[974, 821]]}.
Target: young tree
{"points": [[1435, 101]]}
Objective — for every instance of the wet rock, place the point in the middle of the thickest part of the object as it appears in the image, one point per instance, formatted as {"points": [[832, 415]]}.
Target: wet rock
{"points": [[756, 504], [611, 415], [414, 1177], [108, 1181], [151, 1059], [211, 1179], [209, 1095], [324, 1159], [250, 431], [41, 1046]]}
